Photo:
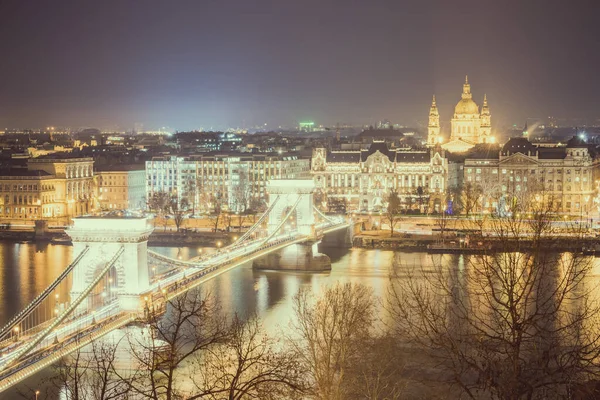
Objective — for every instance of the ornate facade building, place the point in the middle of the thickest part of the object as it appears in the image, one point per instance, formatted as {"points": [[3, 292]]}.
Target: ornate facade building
{"points": [[364, 178], [468, 126], [50, 188], [566, 174]]}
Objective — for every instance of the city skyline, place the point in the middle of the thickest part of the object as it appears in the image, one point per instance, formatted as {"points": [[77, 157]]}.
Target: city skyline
{"points": [[189, 65]]}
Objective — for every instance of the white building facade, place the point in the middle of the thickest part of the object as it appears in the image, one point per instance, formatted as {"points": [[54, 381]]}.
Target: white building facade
{"points": [[232, 180]]}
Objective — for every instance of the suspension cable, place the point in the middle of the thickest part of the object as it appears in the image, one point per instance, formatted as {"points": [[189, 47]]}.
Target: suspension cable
{"points": [[42, 296], [42, 335], [260, 220], [326, 218], [283, 221]]}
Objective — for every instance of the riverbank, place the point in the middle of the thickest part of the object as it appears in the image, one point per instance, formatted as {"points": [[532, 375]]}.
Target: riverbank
{"points": [[157, 238], [461, 245]]}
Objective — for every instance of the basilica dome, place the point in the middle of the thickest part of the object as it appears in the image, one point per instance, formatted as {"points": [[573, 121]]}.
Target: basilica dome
{"points": [[466, 106]]}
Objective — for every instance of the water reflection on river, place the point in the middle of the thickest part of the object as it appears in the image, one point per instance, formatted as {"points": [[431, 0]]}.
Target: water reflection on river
{"points": [[26, 269]]}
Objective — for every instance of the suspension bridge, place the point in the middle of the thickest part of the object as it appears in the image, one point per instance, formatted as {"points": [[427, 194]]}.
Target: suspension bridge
{"points": [[109, 284]]}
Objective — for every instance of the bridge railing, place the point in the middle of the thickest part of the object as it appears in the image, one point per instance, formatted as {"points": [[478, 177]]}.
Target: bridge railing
{"points": [[175, 284], [50, 355]]}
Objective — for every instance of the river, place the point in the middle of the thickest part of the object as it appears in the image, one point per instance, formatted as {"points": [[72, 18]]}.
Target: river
{"points": [[26, 269]]}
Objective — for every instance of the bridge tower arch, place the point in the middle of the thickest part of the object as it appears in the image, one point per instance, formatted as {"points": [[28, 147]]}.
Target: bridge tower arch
{"points": [[105, 238], [286, 192]]}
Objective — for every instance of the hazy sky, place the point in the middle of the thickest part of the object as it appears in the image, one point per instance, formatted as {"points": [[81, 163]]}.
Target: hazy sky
{"points": [[201, 63]]}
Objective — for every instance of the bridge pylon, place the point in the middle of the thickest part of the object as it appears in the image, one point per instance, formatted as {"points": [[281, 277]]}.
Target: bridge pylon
{"points": [[289, 191], [105, 237]]}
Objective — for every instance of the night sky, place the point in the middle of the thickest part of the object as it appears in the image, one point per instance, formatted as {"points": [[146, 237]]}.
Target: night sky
{"points": [[191, 64]]}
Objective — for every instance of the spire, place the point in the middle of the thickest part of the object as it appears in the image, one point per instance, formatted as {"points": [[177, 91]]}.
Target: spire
{"points": [[485, 110], [433, 110], [466, 94]]}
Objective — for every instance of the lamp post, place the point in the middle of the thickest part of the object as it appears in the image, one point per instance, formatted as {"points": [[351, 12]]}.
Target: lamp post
{"points": [[586, 200]]}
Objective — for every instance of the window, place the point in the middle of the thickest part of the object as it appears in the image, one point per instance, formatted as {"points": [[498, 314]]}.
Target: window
{"points": [[504, 171]]}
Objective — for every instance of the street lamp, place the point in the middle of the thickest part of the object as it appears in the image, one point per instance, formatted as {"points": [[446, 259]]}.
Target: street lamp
{"points": [[37, 393]]}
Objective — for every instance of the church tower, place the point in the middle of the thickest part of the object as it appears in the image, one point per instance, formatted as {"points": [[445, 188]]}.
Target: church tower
{"points": [[433, 128], [486, 123]]}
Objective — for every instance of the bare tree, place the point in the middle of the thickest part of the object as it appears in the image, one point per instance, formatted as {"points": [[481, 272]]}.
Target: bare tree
{"points": [[490, 192], [442, 221], [242, 198], [455, 196], [159, 202], [217, 207], [332, 330], [241, 193], [179, 208], [90, 373], [190, 194], [517, 324], [191, 325], [421, 194], [470, 196], [192, 351], [377, 370], [392, 210], [249, 364], [257, 206]]}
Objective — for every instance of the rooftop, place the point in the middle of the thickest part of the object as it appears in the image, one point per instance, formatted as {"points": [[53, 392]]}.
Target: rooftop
{"points": [[21, 172], [120, 168]]}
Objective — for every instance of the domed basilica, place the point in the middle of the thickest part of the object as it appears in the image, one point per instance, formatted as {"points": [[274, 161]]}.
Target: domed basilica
{"points": [[469, 126]]}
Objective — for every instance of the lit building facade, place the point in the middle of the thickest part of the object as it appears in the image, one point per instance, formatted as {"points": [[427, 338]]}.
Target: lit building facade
{"points": [[364, 178], [566, 174], [48, 189], [28, 195], [233, 180], [122, 187], [74, 191]]}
